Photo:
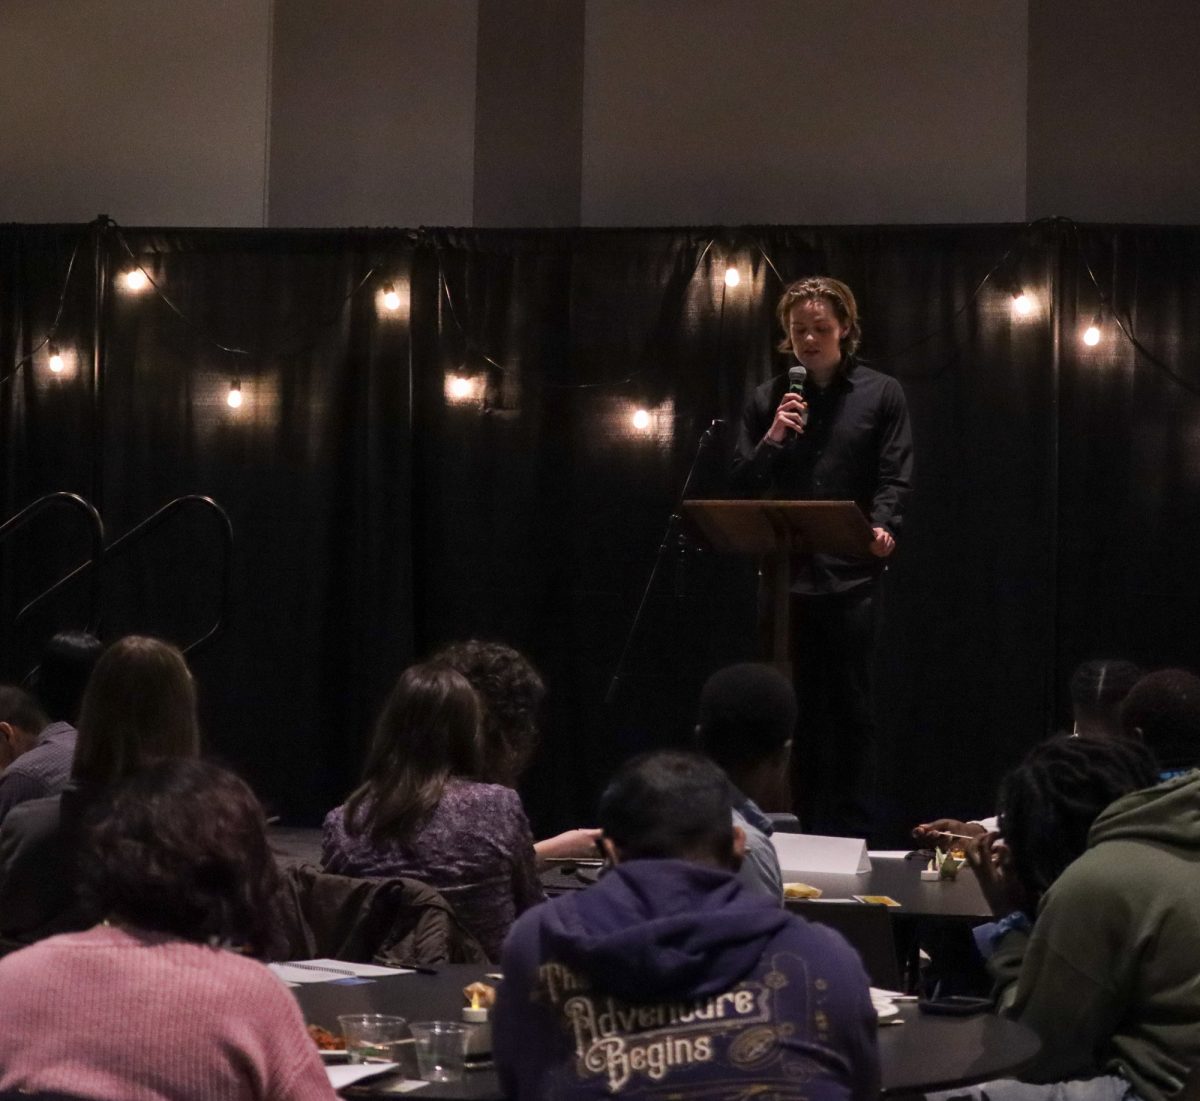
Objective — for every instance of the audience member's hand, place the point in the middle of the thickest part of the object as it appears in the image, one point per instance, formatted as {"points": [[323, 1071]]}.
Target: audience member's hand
{"points": [[991, 861], [936, 832], [571, 845]]}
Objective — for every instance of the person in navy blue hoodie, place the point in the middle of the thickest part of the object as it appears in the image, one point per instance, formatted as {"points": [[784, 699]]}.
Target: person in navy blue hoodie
{"points": [[670, 977]]}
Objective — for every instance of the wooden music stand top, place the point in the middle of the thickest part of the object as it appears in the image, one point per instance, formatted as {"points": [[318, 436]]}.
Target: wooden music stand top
{"points": [[791, 527]]}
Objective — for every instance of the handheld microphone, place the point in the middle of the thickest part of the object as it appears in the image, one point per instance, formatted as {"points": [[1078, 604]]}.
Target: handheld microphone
{"points": [[796, 377]]}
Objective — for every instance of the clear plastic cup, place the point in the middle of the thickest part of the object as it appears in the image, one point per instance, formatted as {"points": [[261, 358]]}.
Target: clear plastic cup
{"points": [[441, 1047], [373, 1037]]}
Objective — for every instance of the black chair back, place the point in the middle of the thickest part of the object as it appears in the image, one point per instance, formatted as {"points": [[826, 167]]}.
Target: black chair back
{"points": [[867, 928]]}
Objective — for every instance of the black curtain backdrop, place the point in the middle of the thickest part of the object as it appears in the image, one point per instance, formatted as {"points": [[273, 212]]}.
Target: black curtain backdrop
{"points": [[377, 517]]}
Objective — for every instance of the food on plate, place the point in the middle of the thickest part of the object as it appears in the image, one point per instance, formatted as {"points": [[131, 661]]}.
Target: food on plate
{"points": [[326, 1040], [801, 890]]}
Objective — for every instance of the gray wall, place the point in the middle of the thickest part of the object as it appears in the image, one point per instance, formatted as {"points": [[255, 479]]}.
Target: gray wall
{"points": [[153, 112], [529, 114], [1114, 110], [604, 112], [807, 113], [373, 112]]}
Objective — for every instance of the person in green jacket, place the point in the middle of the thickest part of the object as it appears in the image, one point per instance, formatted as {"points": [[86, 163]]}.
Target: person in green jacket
{"points": [[1098, 950]]}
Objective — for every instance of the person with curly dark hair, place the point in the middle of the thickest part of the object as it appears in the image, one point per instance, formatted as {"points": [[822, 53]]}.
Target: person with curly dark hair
{"points": [[1097, 946], [159, 1000], [511, 691], [421, 812]]}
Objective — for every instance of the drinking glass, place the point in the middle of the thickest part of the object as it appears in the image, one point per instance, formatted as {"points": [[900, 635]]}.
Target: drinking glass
{"points": [[441, 1046]]}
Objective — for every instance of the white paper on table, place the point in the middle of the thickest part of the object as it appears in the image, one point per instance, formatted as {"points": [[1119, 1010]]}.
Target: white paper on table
{"points": [[890, 854], [342, 1075], [306, 971], [806, 852]]}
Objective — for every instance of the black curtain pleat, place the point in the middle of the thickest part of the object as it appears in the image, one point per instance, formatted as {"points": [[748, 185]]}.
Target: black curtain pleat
{"points": [[379, 514], [1130, 448], [47, 427]]}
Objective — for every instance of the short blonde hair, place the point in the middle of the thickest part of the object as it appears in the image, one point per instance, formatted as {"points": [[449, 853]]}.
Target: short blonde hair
{"points": [[840, 299]]}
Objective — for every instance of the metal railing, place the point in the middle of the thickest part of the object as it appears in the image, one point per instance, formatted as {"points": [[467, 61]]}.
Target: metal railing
{"points": [[133, 536], [42, 504]]}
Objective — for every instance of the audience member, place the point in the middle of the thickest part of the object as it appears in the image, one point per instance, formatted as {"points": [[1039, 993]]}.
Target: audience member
{"points": [[1106, 976], [156, 1002], [669, 977], [1097, 688], [140, 706], [510, 693], [20, 722], [746, 719], [418, 813], [1163, 709], [59, 683]]}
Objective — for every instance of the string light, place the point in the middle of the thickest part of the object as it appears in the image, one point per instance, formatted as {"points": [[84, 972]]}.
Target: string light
{"points": [[1091, 335], [1022, 304], [732, 276], [56, 360], [461, 388], [641, 420], [234, 397], [136, 279], [391, 299]]}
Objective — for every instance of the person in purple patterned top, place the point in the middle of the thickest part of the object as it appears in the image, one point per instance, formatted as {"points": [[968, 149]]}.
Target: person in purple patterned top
{"points": [[418, 812]]}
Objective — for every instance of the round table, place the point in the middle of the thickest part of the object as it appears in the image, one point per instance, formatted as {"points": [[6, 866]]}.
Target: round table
{"points": [[926, 1052]]}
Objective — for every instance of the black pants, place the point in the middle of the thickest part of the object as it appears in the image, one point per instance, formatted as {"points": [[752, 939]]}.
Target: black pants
{"points": [[834, 754]]}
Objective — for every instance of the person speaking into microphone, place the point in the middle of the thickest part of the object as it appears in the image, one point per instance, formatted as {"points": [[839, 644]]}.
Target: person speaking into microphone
{"points": [[830, 428]]}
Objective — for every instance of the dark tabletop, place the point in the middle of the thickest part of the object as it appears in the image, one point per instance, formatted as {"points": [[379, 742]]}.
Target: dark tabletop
{"points": [[929, 1052], [958, 898], [925, 1052]]}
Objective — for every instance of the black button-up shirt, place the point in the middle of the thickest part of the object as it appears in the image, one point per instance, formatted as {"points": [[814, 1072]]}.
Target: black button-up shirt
{"points": [[857, 446]]}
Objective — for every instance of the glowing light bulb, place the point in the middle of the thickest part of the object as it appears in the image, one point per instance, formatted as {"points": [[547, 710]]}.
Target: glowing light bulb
{"points": [[1091, 335], [460, 387], [641, 420], [234, 399], [1022, 305], [136, 279], [56, 361], [391, 299], [732, 276]]}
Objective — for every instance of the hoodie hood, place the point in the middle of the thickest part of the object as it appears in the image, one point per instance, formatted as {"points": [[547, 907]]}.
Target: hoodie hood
{"points": [[1166, 814], [655, 929]]}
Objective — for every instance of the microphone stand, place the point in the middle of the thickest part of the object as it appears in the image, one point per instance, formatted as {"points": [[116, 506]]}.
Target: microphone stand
{"points": [[671, 537]]}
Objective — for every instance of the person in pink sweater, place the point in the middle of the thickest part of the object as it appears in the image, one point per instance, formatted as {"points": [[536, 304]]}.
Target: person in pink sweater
{"points": [[161, 1000]]}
